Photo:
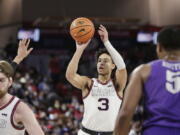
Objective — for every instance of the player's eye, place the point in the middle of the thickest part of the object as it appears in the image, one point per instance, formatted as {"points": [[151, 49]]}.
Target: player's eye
{"points": [[2, 80], [105, 61]]}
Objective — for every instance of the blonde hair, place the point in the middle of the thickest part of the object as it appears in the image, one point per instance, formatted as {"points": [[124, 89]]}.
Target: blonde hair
{"points": [[6, 68]]}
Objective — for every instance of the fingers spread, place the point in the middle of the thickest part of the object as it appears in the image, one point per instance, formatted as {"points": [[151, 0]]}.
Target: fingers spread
{"points": [[29, 51], [27, 43]]}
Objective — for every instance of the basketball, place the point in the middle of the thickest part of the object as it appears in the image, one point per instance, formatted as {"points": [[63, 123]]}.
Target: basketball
{"points": [[82, 29]]}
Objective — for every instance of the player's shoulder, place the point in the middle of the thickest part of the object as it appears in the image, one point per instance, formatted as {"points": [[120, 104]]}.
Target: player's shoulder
{"points": [[89, 81], [86, 78], [146, 68], [22, 110], [142, 68], [142, 71], [22, 107]]}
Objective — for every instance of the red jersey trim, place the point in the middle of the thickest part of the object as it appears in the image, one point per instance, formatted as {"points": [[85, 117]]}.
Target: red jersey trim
{"points": [[89, 89], [121, 98], [103, 83], [12, 114], [4, 106]]}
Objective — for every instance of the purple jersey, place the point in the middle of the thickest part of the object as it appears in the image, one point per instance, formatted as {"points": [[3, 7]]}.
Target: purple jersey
{"points": [[162, 95]]}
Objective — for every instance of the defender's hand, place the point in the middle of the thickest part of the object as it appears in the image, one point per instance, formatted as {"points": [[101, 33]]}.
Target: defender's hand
{"points": [[23, 50]]}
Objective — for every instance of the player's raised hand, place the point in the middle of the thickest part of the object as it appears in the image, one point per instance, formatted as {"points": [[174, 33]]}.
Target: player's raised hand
{"points": [[80, 45], [23, 50], [103, 33]]}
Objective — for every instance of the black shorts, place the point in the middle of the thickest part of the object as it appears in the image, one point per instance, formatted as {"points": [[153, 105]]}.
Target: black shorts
{"points": [[92, 132]]}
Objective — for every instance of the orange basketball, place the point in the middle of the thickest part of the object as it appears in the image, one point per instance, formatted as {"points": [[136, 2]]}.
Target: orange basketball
{"points": [[82, 29]]}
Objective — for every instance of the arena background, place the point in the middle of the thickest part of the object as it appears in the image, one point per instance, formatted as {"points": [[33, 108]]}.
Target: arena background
{"points": [[40, 79]]}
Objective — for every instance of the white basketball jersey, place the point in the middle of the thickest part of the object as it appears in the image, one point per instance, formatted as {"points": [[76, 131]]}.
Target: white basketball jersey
{"points": [[7, 126], [101, 107]]}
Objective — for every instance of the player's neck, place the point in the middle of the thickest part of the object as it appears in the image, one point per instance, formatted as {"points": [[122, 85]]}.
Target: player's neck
{"points": [[5, 99], [175, 56], [104, 78]]}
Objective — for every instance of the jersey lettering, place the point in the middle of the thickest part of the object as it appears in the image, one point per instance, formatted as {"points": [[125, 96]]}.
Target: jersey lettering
{"points": [[173, 81]]}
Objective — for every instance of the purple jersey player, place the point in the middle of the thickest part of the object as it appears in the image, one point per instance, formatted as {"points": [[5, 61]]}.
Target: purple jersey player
{"points": [[159, 83]]}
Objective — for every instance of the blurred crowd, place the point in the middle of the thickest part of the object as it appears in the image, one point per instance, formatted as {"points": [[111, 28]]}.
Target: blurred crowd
{"points": [[57, 114]]}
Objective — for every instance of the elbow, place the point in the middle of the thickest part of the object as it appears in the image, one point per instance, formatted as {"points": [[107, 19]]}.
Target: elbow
{"points": [[125, 114], [122, 123], [68, 76], [123, 120]]}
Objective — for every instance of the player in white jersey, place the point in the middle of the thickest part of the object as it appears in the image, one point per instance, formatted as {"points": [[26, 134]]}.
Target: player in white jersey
{"points": [[101, 95], [15, 115]]}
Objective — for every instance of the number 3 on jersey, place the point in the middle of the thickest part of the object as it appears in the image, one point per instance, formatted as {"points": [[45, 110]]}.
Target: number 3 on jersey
{"points": [[173, 81], [104, 104]]}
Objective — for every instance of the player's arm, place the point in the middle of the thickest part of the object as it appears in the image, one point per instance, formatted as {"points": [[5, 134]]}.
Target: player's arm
{"points": [[132, 96], [121, 73], [71, 73], [25, 115], [22, 52], [120, 80]]}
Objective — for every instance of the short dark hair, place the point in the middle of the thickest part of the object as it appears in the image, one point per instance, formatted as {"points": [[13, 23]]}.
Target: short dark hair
{"points": [[169, 38], [101, 51], [6, 68]]}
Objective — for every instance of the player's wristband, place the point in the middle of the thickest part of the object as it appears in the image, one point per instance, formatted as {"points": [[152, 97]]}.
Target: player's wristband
{"points": [[14, 65]]}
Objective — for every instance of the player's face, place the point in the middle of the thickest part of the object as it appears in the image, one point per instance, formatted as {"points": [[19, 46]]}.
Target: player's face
{"points": [[105, 64], [5, 83]]}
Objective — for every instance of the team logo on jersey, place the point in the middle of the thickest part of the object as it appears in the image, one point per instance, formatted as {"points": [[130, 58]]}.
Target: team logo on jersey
{"points": [[4, 114], [110, 85], [3, 123]]}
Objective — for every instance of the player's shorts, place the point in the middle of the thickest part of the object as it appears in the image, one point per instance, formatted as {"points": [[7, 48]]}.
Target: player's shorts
{"points": [[158, 130], [80, 132], [85, 131]]}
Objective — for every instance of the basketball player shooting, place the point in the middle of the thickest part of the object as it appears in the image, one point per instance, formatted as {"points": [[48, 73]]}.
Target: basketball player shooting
{"points": [[102, 95], [15, 115], [159, 83]]}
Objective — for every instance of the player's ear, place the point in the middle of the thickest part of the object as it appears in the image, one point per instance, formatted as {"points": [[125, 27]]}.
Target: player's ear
{"points": [[10, 81], [113, 66], [159, 48], [160, 51]]}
